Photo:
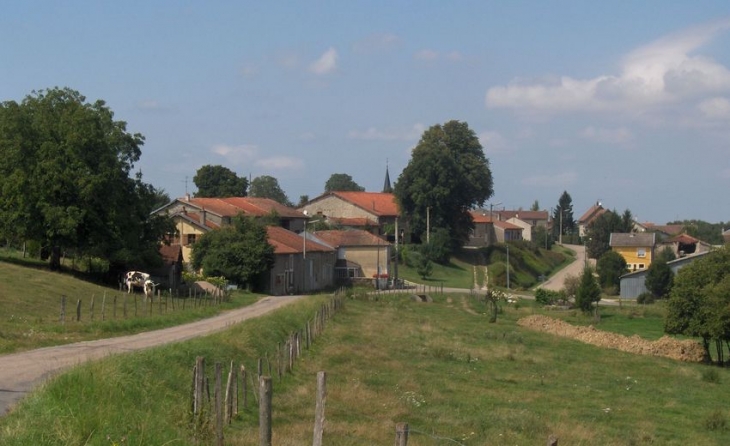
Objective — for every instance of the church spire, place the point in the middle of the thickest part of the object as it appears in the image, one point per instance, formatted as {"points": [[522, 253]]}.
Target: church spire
{"points": [[387, 188]]}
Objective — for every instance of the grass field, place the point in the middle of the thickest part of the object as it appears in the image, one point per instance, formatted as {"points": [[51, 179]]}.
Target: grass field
{"points": [[440, 367], [30, 305]]}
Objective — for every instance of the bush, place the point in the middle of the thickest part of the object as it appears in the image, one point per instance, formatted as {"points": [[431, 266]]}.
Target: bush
{"points": [[548, 297], [645, 298]]}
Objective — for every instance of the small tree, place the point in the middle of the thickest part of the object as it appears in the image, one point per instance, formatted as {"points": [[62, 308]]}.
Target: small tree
{"points": [[610, 267], [570, 286], [424, 267], [239, 252], [659, 278], [588, 291], [342, 182]]}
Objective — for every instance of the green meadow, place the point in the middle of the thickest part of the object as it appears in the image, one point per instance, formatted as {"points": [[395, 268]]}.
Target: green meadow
{"points": [[440, 367]]}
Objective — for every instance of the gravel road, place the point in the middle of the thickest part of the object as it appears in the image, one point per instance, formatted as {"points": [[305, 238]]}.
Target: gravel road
{"points": [[555, 283], [20, 372]]}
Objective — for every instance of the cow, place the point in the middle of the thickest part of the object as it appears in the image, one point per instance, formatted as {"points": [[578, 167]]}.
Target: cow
{"points": [[135, 279], [149, 289]]}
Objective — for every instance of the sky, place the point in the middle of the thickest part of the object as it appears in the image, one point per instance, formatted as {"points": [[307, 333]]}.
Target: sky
{"points": [[622, 102]]}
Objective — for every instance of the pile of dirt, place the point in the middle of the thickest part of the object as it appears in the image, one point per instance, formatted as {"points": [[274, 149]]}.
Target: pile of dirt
{"points": [[668, 347]]}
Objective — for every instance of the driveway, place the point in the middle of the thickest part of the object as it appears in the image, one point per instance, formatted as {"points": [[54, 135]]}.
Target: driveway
{"points": [[20, 372], [556, 281]]}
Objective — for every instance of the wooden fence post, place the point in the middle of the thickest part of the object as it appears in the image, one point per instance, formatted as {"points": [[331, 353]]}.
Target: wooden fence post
{"points": [[218, 403], [63, 309], [401, 434], [265, 393], [78, 310], [230, 395], [244, 387], [199, 384], [319, 408], [91, 309]]}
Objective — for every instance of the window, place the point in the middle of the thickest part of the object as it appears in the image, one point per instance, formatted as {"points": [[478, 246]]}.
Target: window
{"points": [[191, 239], [641, 252]]}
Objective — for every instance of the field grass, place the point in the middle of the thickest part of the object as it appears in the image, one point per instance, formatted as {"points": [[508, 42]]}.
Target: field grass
{"points": [[440, 367], [30, 307]]}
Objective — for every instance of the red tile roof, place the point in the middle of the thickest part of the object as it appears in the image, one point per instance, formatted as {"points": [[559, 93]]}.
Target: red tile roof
{"points": [[591, 214], [352, 237], [232, 206], [667, 229], [480, 217], [523, 215], [287, 242], [685, 239], [379, 203], [171, 253], [505, 225]]}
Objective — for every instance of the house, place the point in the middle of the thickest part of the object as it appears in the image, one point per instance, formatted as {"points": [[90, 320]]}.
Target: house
{"points": [[589, 217], [370, 211], [636, 248], [527, 220], [196, 216], [360, 254], [634, 284], [482, 234], [664, 231], [488, 230], [169, 274], [301, 264], [683, 245]]}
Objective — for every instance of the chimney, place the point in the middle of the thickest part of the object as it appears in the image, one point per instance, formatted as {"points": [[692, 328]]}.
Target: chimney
{"points": [[203, 217], [187, 196]]}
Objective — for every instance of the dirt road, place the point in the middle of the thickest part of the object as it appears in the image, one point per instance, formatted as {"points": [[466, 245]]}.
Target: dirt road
{"points": [[20, 372], [555, 283]]}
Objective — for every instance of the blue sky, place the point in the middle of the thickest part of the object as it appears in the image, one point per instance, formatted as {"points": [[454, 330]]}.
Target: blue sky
{"points": [[624, 102]]}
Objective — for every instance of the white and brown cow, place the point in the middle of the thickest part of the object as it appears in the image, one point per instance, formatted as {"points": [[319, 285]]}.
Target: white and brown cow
{"points": [[149, 289], [135, 279]]}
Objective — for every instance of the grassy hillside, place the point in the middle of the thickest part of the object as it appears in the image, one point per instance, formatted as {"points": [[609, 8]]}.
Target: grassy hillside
{"points": [[440, 367], [30, 302], [527, 265]]}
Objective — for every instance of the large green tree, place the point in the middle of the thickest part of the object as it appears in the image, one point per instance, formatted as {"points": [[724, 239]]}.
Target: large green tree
{"points": [[659, 278], [448, 174], [267, 186], [598, 233], [699, 301], [66, 183], [342, 182], [240, 252], [219, 182]]}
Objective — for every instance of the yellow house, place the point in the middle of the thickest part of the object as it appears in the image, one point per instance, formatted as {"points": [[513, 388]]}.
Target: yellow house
{"points": [[637, 248]]}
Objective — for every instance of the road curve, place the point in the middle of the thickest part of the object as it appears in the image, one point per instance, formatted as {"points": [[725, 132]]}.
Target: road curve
{"points": [[557, 281], [20, 372]]}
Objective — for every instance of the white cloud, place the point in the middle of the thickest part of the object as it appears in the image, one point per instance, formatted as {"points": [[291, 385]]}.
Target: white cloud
{"points": [[563, 180], [619, 135], [326, 63], [280, 163], [715, 108], [374, 134], [662, 71], [236, 154], [493, 142]]}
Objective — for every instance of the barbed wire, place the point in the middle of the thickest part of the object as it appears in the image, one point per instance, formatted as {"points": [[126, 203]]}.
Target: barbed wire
{"points": [[435, 437]]}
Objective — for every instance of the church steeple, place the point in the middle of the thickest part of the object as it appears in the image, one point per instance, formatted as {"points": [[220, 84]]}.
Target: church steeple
{"points": [[387, 188]]}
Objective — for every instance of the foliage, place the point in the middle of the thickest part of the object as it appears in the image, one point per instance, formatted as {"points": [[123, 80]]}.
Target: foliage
{"points": [[239, 252], [303, 199], [645, 298], [563, 219], [535, 206], [548, 297], [598, 233], [438, 249], [571, 284], [342, 182], [699, 301], [541, 237], [424, 267], [219, 182], [666, 254], [65, 181], [447, 176], [707, 232], [588, 291], [610, 267], [267, 186], [659, 278]]}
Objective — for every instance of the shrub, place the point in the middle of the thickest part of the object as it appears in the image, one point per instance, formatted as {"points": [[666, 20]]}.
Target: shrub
{"points": [[548, 297], [645, 298], [716, 421]]}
